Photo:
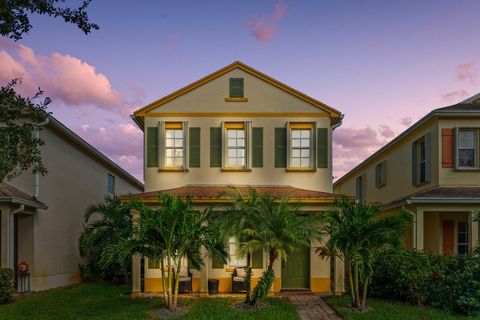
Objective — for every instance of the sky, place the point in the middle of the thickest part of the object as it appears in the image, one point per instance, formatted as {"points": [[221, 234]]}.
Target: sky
{"points": [[384, 64]]}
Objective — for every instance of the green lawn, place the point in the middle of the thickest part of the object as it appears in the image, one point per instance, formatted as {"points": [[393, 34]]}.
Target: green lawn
{"points": [[390, 310], [101, 301]]}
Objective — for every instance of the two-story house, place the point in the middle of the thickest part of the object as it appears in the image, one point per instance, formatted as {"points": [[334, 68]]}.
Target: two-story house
{"points": [[41, 217], [240, 127], [432, 170]]}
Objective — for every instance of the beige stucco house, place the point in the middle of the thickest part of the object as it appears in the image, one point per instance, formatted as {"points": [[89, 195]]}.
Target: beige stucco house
{"points": [[240, 127], [41, 217], [432, 170]]}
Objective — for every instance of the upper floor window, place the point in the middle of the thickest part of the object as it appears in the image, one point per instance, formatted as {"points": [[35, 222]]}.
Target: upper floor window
{"points": [[236, 88], [110, 184], [421, 158], [301, 152], [174, 145], [235, 259], [381, 174], [360, 184], [235, 146], [467, 148]]}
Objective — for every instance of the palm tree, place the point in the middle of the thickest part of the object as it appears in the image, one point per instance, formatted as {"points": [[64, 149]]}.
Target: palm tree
{"points": [[106, 223], [273, 225], [169, 233], [357, 231]]}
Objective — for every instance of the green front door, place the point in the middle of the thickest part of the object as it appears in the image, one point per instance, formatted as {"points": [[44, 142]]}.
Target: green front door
{"points": [[296, 270]]}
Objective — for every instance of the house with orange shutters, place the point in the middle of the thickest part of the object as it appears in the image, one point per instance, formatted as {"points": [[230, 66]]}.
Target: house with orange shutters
{"points": [[432, 170]]}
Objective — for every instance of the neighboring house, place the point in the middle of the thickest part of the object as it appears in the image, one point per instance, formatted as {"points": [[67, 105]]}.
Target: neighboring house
{"points": [[238, 126], [42, 216], [432, 169]]}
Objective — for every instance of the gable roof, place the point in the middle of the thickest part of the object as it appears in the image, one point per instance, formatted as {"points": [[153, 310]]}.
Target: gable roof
{"points": [[472, 99], [13, 195], [139, 114], [457, 110]]}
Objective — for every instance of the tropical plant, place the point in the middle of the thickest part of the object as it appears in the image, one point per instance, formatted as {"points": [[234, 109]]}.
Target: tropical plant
{"points": [[273, 225], [106, 224], [169, 233], [356, 231]]}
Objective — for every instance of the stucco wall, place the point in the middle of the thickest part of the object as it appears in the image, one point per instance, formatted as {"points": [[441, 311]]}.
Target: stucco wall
{"points": [[74, 181]]}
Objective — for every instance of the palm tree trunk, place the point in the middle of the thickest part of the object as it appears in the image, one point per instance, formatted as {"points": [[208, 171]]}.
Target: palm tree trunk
{"points": [[169, 283], [350, 280], [249, 280], [164, 281], [271, 260], [364, 294], [356, 286], [175, 290]]}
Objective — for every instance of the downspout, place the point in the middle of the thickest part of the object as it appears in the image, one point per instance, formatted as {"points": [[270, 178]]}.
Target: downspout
{"points": [[414, 231], [335, 126], [339, 123], [11, 236], [37, 175]]}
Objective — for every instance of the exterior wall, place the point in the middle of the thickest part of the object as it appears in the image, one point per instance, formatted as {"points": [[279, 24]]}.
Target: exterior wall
{"points": [[48, 241], [268, 175], [450, 176], [399, 170], [4, 213]]}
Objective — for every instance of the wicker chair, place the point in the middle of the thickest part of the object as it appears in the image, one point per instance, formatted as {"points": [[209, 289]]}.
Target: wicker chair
{"points": [[239, 284], [185, 283]]}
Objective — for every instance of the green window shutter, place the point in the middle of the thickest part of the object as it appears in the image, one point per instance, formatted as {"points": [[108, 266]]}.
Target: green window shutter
{"points": [[236, 87], [280, 147], [194, 148], [428, 157], [257, 259], [257, 147], [215, 147], [414, 164], [152, 147], [384, 172], [217, 263], [322, 147]]}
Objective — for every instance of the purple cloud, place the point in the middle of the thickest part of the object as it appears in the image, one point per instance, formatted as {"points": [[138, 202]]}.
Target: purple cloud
{"points": [[265, 27]]}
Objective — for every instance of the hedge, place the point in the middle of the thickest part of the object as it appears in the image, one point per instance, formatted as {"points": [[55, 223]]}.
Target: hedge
{"points": [[6, 285]]}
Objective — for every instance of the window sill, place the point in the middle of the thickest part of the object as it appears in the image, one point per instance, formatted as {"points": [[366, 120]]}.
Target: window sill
{"points": [[236, 99], [172, 170], [301, 169], [236, 170], [466, 169], [421, 184]]}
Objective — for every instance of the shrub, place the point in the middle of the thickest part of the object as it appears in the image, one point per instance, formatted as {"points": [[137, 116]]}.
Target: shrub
{"points": [[450, 283], [6, 285]]}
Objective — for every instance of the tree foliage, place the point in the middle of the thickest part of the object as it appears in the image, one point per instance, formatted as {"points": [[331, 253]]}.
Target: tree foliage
{"points": [[15, 22], [107, 224], [19, 144], [357, 231]]}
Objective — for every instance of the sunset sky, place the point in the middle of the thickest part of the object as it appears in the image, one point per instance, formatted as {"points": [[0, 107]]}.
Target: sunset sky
{"points": [[384, 64]]}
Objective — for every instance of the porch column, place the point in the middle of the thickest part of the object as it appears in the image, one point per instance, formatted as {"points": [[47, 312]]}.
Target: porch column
{"points": [[136, 274], [204, 272], [339, 276], [4, 233], [419, 219], [473, 222]]}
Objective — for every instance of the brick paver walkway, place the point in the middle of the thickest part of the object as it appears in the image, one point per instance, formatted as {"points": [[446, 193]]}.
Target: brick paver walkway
{"points": [[312, 307]]}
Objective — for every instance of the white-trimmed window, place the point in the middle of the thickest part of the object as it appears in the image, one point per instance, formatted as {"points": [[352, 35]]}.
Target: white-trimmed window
{"points": [[235, 259], [110, 184], [467, 148], [462, 240], [174, 145], [301, 141], [173, 141], [236, 145]]}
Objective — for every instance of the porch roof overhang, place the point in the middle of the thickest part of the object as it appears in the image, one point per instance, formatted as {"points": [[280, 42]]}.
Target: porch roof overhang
{"points": [[9, 194], [218, 194]]}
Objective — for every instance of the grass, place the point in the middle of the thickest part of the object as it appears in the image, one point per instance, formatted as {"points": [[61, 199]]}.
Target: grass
{"points": [[391, 310], [103, 301]]}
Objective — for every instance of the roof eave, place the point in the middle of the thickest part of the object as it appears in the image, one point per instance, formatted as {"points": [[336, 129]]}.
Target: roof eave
{"points": [[443, 200], [29, 203]]}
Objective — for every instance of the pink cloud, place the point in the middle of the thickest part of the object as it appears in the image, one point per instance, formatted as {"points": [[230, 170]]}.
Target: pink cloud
{"points": [[353, 145], [406, 121], [454, 96], [123, 143], [386, 131], [467, 72], [63, 77], [265, 27]]}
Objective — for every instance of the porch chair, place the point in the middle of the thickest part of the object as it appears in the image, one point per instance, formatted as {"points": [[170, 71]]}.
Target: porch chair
{"points": [[185, 282], [239, 283]]}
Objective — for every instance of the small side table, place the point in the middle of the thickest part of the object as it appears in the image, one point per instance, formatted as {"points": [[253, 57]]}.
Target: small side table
{"points": [[24, 282], [213, 286]]}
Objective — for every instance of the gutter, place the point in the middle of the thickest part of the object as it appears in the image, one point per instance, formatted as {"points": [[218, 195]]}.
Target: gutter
{"points": [[414, 200], [339, 122], [33, 204]]}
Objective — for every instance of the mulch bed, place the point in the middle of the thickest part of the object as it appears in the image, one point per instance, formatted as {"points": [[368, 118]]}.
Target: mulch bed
{"points": [[167, 313], [258, 306]]}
